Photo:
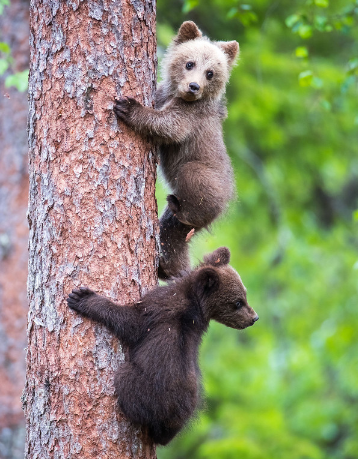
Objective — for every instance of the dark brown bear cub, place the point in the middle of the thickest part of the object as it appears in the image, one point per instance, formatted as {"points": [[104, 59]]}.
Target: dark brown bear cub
{"points": [[158, 387], [187, 124]]}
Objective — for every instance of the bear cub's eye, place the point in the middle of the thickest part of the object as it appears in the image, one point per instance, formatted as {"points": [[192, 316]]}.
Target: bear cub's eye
{"points": [[209, 74], [189, 65], [239, 304]]}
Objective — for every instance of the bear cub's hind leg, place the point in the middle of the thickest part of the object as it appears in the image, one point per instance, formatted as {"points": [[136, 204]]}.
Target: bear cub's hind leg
{"points": [[174, 247]]}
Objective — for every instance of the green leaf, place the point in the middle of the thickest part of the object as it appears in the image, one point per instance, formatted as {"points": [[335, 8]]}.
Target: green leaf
{"points": [[355, 216], [19, 80], [232, 13], [348, 83], [301, 51], [3, 66], [320, 23], [322, 3], [247, 17], [352, 66], [326, 105], [317, 83], [305, 78], [292, 20], [189, 5], [337, 24], [305, 31], [348, 21], [4, 47]]}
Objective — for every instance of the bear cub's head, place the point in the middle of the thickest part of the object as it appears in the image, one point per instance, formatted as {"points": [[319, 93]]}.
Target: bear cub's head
{"points": [[195, 67], [222, 292]]}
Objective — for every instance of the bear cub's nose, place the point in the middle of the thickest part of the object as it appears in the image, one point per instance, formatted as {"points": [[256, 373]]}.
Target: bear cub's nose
{"points": [[256, 318], [194, 87]]}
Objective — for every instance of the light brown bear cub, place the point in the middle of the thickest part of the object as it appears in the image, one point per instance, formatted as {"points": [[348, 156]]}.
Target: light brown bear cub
{"points": [[187, 124]]}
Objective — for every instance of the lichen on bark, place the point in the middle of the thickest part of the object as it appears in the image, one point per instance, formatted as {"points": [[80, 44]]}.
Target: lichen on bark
{"points": [[92, 217]]}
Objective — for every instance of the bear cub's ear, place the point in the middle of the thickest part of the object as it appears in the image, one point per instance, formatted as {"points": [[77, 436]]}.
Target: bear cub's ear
{"points": [[207, 282], [219, 257], [230, 48], [188, 31]]}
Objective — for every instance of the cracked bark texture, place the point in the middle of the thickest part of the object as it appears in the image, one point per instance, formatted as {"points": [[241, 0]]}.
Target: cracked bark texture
{"points": [[14, 30], [92, 218]]}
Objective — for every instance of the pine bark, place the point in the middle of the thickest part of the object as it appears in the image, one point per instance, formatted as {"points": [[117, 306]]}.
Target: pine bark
{"points": [[14, 30], [92, 218]]}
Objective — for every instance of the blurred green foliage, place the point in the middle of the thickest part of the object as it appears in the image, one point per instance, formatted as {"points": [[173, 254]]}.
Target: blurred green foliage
{"points": [[286, 388], [3, 3], [18, 79]]}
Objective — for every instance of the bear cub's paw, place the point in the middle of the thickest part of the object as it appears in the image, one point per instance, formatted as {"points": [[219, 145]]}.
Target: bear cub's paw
{"points": [[77, 299], [124, 107]]}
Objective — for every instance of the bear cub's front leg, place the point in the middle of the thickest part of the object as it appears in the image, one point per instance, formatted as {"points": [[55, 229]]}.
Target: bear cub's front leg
{"points": [[78, 300], [187, 125], [125, 107]]}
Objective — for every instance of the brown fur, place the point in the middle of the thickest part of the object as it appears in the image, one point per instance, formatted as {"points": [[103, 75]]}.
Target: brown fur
{"points": [[187, 123], [159, 386]]}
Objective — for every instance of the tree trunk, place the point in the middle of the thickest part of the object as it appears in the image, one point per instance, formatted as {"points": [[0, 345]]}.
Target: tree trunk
{"points": [[92, 218], [13, 234]]}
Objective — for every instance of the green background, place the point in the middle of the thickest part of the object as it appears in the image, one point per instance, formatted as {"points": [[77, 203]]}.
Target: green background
{"points": [[287, 387]]}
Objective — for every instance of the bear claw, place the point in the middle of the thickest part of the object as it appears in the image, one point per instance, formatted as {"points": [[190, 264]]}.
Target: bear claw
{"points": [[76, 298]]}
